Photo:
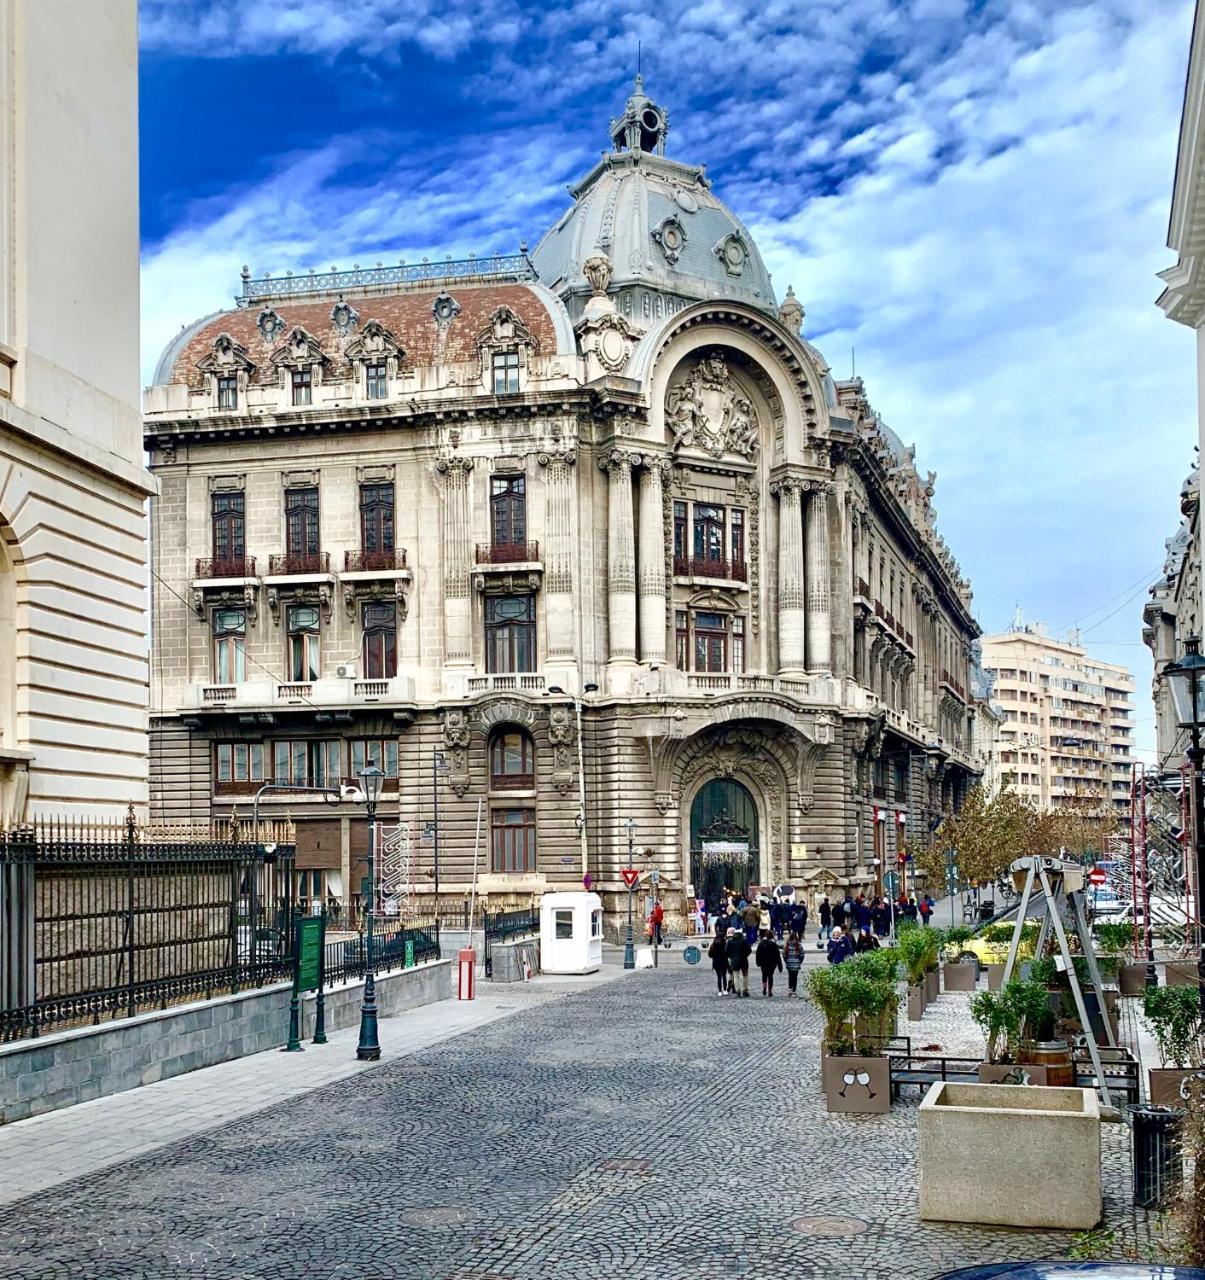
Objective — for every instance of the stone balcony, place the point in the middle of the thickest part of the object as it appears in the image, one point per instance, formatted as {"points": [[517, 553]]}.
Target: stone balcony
{"points": [[266, 697]]}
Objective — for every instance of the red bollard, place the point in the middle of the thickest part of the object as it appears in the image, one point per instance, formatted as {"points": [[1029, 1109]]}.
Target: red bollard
{"points": [[467, 966]]}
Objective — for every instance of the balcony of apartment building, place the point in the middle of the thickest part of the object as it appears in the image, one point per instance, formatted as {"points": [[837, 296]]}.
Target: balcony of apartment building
{"points": [[893, 624], [336, 695], [953, 684], [715, 570]]}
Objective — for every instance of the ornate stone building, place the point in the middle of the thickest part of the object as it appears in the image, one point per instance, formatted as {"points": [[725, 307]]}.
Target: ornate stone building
{"points": [[591, 523]]}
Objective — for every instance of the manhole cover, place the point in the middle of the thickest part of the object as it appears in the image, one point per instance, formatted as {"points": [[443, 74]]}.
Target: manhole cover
{"points": [[625, 1164], [833, 1227], [436, 1216]]}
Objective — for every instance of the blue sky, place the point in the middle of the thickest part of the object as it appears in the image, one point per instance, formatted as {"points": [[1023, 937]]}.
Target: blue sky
{"points": [[973, 194]]}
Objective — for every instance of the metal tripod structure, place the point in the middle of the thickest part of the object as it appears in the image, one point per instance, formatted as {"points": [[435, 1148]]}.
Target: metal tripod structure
{"points": [[1061, 884]]}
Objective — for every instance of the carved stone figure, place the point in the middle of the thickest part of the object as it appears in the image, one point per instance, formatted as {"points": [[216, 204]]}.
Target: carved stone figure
{"points": [[597, 270], [708, 411]]}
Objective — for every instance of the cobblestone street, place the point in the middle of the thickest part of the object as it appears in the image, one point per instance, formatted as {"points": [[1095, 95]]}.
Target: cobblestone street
{"points": [[646, 1128]]}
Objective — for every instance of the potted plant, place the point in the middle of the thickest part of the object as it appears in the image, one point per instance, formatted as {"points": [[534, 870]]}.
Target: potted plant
{"points": [[883, 967], [1174, 1017], [855, 1077], [1118, 939], [914, 951], [961, 967], [1001, 1017], [932, 937], [1039, 1046]]}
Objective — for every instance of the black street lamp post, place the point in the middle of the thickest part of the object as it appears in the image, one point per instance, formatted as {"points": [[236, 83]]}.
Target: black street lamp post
{"points": [[1186, 678], [372, 781], [629, 954]]}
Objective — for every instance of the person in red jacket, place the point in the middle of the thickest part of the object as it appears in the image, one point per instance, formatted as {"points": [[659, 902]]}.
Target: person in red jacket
{"points": [[656, 918]]}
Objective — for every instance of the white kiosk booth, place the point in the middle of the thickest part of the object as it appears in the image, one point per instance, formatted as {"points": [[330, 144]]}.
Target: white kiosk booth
{"points": [[570, 932]]}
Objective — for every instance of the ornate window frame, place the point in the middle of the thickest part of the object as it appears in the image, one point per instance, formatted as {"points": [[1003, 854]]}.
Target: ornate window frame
{"points": [[301, 350], [226, 359], [506, 332], [374, 345]]}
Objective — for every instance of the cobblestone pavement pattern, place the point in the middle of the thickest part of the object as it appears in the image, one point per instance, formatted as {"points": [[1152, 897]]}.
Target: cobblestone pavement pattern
{"points": [[647, 1128]]}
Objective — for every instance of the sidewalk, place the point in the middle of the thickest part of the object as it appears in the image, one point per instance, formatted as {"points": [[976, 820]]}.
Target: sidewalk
{"points": [[45, 1150]]}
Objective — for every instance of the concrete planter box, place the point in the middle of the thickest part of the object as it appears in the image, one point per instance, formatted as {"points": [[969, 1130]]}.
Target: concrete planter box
{"points": [[1010, 1155], [995, 976], [1165, 1084], [856, 1086], [1132, 978], [961, 976], [916, 1002], [997, 1072], [932, 985]]}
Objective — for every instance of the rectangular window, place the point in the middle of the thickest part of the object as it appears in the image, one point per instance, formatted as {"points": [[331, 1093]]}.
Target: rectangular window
{"points": [[303, 386], [711, 642], [508, 512], [301, 523], [229, 646], [510, 633], [376, 381], [380, 751], [307, 762], [736, 526], [682, 638], [681, 560], [240, 762], [303, 642], [738, 645], [562, 922], [709, 539], [506, 372], [229, 542], [227, 393], [513, 840], [380, 641], [376, 525]]}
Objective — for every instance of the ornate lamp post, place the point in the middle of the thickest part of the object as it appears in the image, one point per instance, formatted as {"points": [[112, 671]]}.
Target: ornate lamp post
{"points": [[1186, 678], [629, 954], [581, 772], [372, 782]]}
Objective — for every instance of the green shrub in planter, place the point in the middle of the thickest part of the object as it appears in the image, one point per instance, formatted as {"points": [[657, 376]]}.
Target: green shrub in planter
{"points": [[1003, 933], [883, 965], [999, 1015], [954, 940], [1113, 937], [1033, 1001], [1174, 1017], [832, 993], [913, 947], [871, 997], [933, 940]]}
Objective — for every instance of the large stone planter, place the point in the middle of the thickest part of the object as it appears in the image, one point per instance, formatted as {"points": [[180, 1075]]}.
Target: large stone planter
{"points": [[995, 976], [961, 975], [932, 985], [998, 1073], [1165, 1082], [1132, 978], [916, 1002], [856, 1086], [1010, 1155]]}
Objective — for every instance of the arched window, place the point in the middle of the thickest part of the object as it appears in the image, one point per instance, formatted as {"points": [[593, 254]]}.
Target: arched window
{"points": [[512, 761]]}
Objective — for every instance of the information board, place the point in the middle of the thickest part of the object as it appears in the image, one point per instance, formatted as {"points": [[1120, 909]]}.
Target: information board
{"points": [[310, 930]]}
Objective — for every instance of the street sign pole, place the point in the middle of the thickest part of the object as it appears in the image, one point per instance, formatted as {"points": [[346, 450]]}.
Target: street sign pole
{"points": [[629, 878]]}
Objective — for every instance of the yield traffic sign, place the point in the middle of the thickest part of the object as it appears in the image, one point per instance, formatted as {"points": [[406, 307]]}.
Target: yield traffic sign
{"points": [[1097, 876], [630, 876]]}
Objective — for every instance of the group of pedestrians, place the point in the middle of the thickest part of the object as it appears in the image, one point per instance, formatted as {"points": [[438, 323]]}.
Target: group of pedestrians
{"points": [[770, 931], [870, 915]]}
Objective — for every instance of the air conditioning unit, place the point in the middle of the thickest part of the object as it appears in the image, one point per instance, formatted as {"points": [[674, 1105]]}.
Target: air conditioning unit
{"points": [[346, 671]]}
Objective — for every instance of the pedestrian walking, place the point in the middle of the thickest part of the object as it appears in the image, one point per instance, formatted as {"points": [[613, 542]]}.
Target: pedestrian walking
{"points": [[778, 917], [792, 957], [880, 917], [825, 911], [840, 948], [751, 916], [718, 958], [910, 909], [769, 961], [926, 910], [866, 941], [657, 919], [862, 912], [737, 949], [799, 920]]}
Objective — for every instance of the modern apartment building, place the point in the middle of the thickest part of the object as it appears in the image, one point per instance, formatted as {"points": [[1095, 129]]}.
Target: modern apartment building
{"points": [[73, 560], [1066, 740]]}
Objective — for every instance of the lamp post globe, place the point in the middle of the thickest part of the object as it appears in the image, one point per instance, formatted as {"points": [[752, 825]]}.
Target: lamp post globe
{"points": [[368, 1049], [1186, 680]]}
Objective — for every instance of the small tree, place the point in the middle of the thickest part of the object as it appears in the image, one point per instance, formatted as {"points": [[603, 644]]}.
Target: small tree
{"points": [[1174, 1017], [999, 1016], [914, 952], [831, 991]]}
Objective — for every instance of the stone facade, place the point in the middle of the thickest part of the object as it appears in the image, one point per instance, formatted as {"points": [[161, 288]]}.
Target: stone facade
{"points": [[644, 558], [73, 621]]}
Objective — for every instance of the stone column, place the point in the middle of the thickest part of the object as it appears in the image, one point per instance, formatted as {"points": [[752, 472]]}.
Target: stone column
{"points": [[790, 576], [621, 559], [652, 561], [559, 542], [819, 602], [458, 634]]}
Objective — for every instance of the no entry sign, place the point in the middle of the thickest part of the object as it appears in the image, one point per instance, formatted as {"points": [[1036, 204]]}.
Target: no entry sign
{"points": [[630, 876], [1097, 876]]}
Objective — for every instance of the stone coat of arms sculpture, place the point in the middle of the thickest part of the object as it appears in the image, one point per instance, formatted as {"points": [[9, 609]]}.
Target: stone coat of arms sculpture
{"points": [[709, 411]]}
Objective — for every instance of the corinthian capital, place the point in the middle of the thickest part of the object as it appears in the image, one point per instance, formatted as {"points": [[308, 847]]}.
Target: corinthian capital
{"points": [[788, 484], [618, 459]]}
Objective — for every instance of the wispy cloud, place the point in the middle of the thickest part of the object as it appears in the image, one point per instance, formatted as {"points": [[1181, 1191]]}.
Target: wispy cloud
{"points": [[971, 194]]}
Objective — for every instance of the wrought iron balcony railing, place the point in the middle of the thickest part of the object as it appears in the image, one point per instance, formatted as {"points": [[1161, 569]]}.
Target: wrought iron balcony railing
{"points": [[711, 567], [226, 567], [374, 561], [501, 266], [507, 552], [299, 563]]}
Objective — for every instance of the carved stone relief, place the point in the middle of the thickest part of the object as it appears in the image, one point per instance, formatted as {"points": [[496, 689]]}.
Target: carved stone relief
{"points": [[708, 410]]}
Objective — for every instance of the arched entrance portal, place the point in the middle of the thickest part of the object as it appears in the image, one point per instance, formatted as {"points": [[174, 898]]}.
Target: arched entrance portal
{"points": [[723, 840]]}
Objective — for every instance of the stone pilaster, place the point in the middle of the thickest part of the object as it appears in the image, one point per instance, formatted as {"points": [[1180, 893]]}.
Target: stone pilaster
{"points": [[458, 634], [790, 575], [652, 561], [819, 601], [559, 543], [621, 559]]}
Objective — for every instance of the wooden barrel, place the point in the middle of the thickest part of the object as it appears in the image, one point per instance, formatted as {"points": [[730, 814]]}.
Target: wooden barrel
{"points": [[1055, 1056]]}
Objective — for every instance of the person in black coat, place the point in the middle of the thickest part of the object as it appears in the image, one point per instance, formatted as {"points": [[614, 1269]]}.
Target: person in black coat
{"points": [[737, 949], [719, 959], [826, 919], [769, 961], [799, 920]]}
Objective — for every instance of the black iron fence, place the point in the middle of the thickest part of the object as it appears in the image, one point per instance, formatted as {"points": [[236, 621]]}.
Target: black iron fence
{"points": [[502, 926], [394, 946], [106, 921]]}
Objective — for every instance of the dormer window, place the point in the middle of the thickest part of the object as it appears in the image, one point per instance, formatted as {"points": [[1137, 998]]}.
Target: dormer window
{"points": [[303, 385], [228, 392], [226, 369], [300, 362], [506, 372], [376, 381]]}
